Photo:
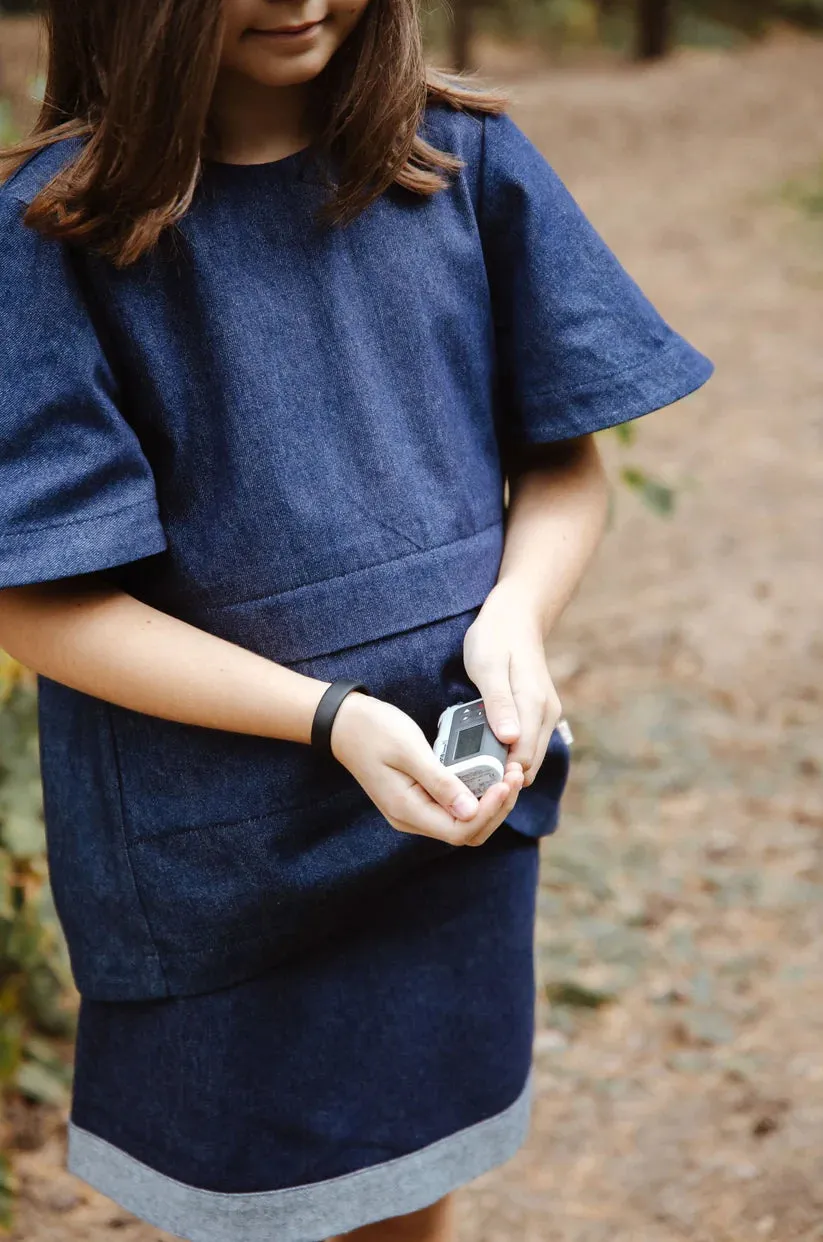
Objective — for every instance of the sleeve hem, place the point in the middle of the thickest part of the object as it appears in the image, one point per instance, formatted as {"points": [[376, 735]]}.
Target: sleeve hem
{"points": [[677, 372], [43, 554]]}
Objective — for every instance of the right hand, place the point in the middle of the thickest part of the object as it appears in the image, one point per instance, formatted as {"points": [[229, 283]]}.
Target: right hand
{"points": [[389, 755]]}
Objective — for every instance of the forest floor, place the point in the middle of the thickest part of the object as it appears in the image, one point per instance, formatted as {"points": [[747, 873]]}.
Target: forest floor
{"points": [[681, 1096]]}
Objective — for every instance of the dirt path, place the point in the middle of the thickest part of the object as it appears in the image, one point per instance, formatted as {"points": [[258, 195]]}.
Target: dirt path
{"points": [[685, 888], [688, 877]]}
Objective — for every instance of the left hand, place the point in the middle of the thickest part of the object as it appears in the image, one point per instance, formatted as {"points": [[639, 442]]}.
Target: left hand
{"points": [[505, 656]]}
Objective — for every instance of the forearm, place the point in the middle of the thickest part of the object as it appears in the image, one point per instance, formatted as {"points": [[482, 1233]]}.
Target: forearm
{"points": [[108, 644], [558, 503]]}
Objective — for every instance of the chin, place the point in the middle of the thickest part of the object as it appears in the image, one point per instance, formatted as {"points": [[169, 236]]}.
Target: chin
{"points": [[279, 69], [294, 73]]}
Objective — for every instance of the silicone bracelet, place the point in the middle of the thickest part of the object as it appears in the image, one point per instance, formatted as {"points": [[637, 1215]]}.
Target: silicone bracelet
{"points": [[327, 710]]}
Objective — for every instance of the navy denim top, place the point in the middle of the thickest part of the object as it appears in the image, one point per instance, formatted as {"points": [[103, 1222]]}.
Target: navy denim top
{"points": [[289, 436]]}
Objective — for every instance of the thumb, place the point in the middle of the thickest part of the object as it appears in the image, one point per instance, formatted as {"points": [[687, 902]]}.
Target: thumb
{"points": [[501, 711], [445, 787]]}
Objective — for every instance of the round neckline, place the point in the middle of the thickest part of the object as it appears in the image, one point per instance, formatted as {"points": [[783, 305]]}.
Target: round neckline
{"points": [[284, 165]]}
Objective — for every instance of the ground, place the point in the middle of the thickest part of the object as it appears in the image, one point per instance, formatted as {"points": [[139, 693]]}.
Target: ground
{"points": [[681, 1095]]}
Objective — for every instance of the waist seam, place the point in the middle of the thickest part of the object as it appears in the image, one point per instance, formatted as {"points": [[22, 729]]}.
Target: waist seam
{"points": [[417, 554]]}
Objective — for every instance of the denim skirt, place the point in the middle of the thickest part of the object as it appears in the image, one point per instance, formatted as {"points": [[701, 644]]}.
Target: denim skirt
{"points": [[364, 1078]]}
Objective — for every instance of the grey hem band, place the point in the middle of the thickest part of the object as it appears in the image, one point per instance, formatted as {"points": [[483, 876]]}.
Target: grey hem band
{"points": [[309, 1213]]}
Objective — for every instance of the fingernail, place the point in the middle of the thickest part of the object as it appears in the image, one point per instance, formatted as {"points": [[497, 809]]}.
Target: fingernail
{"points": [[465, 804]]}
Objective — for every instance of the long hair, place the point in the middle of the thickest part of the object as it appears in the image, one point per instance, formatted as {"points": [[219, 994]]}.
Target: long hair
{"points": [[136, 81]]}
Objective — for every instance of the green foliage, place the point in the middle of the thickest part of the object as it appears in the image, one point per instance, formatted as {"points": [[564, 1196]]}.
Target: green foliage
{"points": [[750, 17], [653, 492], [35, 979], [755, 16], [8, 132], [33, 959], [655, 495], [711, 23], [569, 993], [7, 1189], [807, 192]]}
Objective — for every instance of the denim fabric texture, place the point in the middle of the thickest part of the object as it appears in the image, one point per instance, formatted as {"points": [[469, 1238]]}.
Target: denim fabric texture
{"points": [[289, 436], [416, 1024]]}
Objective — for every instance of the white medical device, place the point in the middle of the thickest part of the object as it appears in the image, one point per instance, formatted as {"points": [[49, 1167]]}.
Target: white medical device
{"points": [[466, 744]]}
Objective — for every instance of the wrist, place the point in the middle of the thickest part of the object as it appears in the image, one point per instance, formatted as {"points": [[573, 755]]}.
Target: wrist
{"points": [[521, 605], [349, 724], [314, 691]]}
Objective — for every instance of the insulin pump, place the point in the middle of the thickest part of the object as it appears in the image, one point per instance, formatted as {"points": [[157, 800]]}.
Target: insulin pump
{"points": [[466, 744]]}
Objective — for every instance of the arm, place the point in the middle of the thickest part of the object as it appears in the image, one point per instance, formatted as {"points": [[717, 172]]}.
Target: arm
{"points": [[101, 641], [578, 348], [558, 499]]}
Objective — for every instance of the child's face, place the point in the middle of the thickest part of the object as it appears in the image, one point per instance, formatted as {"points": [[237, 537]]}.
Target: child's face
{"points": [[285, 59]]}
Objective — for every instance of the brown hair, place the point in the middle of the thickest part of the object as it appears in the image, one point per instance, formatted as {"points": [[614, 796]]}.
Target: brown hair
{"points": [[137, 79]]}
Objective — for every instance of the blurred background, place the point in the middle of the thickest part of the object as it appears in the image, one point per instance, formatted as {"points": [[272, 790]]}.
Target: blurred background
{"points": [[679, 1054]]}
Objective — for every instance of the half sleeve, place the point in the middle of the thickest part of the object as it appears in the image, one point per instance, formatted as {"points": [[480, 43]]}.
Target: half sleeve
{"points": [[579, 347], [76, 491]]}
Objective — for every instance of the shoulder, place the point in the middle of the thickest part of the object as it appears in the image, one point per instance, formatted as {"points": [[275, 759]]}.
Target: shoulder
{"points": [[31, 263], [492, 145], [465, 130], [476, 137], [23, 250], [35, 172], [456, 130], [19, 251]]}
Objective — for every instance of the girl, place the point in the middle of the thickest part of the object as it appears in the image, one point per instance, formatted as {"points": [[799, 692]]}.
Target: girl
{"points": [[281, 312]]}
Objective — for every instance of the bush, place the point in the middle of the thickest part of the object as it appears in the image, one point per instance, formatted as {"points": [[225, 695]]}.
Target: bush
{"points": [[36, 989]]}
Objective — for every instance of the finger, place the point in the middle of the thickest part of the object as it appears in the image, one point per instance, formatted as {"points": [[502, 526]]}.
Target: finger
{"points": [[493, 803], [444, 786], [539, 750], [411, 809], [487, 816], [501, 710], [514, 782], [507, 806], [530, 692], [552, 712]]}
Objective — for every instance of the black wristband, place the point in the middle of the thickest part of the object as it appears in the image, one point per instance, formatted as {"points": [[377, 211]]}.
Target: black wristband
{"points": [[327, 710]]}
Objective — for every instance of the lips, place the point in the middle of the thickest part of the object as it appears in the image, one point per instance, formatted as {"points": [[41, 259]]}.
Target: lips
{"points": [[289, 30]]}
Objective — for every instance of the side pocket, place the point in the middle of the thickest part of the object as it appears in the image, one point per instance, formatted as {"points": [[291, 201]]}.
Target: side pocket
{"points": [[122, 843], [248, 851], [110, 945], [228, 900]]}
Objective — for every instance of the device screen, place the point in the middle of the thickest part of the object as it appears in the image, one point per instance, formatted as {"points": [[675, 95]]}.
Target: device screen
{"points": [[469, 741]]}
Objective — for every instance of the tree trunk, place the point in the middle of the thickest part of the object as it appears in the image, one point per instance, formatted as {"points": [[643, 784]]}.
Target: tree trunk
{"points": [[462, 32], [654, 28]]}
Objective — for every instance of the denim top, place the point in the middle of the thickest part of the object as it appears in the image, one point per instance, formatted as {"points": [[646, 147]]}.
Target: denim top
{"points": [[289, 436]]}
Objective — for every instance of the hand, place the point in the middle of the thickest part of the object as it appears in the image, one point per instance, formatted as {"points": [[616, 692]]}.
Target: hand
{"points": [[389, 755], [504, 655]]}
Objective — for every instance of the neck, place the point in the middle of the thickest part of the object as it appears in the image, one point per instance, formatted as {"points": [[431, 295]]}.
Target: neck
{"points": [[253, 123]]}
